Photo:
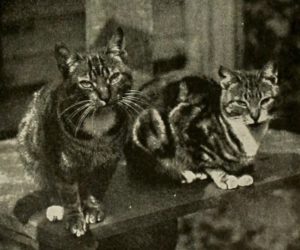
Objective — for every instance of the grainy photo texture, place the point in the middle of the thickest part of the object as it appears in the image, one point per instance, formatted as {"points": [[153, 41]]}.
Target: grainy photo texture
{"points": [[150, 124]]}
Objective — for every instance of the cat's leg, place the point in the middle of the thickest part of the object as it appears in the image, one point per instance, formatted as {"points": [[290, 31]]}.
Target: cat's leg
{"points": [[94, 210], [222, 179], [95, 187], [69, 194], [189, 176]]}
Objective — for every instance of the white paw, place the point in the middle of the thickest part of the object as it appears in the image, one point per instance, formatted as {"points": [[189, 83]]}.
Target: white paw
{"points": [[245, 180], [231, 182], [201, 176], [55, 213], [188, 176], [227, 182]]}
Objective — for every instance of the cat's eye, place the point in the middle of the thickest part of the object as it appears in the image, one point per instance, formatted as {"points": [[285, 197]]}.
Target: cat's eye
{"points": [[270, 79], [86, 84], [266, 101], [240, 103], [115, 78]]}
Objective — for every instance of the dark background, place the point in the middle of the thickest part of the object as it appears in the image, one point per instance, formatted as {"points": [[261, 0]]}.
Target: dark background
{"points": [[161, 35], [272, 30]]}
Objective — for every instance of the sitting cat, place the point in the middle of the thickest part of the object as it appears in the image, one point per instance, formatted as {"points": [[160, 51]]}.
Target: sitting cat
{"points": [[198, 127], [72, 135]]}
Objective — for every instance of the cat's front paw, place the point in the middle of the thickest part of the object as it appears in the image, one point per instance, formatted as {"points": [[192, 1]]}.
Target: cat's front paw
{"points": [[93, 210], [201, 176], [55, 213], [76, 224], [94, 215], [222, 179], [245, 180], [227, 182], [189, 176]]}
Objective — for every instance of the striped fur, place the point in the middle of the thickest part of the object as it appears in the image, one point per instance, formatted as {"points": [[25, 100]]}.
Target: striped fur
{"points": [[71, 137], [211, 127]]}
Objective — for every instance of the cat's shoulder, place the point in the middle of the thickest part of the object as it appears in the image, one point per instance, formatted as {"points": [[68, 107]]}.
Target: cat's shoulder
{"points": [[43, 99]]}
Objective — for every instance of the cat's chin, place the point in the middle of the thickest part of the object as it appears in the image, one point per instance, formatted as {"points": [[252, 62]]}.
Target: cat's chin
{"points": [[258, 125], [102, 110], [258, 130]]}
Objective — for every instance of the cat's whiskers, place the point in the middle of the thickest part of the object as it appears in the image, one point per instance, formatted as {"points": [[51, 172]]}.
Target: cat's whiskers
{"points": [[83, 117], [136, 99], [138, 102], [135, 102], [135, 90], [135, 93], [77, 111], [133, 105], [93, 118], [73, 106], [127, 109], [123, 107], [114, 101], [130, 108]]}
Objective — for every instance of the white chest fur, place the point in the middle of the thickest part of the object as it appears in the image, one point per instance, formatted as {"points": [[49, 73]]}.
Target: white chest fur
{"points": [[249, 143], [100, 123]]}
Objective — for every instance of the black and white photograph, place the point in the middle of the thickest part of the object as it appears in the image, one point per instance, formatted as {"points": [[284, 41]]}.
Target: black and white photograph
{"points": [[150, 125]]}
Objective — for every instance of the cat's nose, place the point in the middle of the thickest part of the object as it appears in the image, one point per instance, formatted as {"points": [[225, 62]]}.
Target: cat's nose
{"points": [[104, 94], [255, 114], [103, 90]]}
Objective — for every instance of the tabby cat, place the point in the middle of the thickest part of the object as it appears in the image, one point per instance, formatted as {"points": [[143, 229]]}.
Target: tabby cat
{"points": [[198, 127], [72, 135]]}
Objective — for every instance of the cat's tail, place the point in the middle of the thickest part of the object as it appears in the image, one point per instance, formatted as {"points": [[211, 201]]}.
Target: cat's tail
{"points": [[32, 142], [31, 204], [29, 137], [150, 152]]}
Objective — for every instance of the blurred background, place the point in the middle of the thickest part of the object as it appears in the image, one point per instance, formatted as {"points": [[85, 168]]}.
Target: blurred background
{"points": [[162, 35], [165, 35]]}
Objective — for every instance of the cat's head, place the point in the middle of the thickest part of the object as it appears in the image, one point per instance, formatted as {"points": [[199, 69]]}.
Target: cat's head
{"points": [[102, 78], [249, 95]]}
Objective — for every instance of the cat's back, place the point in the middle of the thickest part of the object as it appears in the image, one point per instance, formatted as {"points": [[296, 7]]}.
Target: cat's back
{"points": [[31, 128], [167, 91], [176, 100], [41, 102]]}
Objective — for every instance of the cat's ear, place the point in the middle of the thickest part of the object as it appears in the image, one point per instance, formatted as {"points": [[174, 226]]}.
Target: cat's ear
{"points": [[62, 55], [116, 45], [227, 77], [270, 72]]}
